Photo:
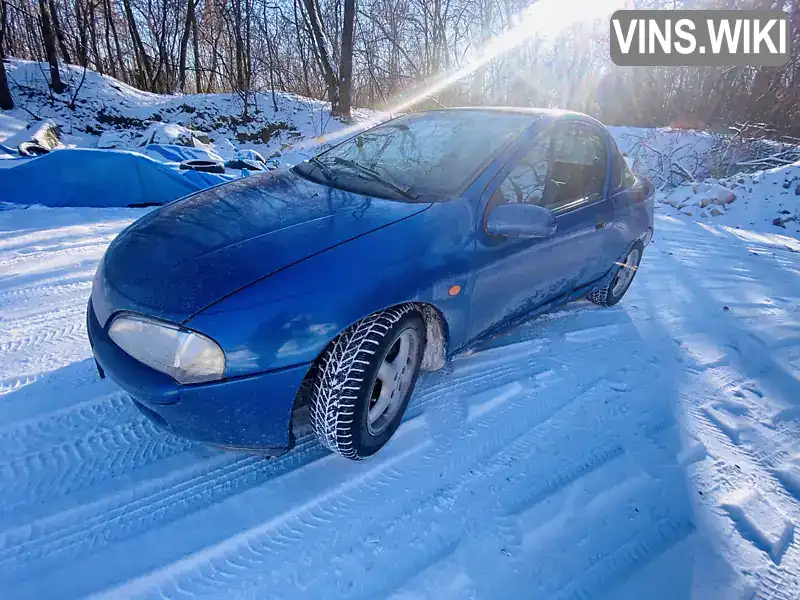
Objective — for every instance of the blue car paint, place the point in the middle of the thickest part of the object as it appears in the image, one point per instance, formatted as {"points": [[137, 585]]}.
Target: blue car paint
{"points": [[177, 260], [274, 267], [235, 412]]}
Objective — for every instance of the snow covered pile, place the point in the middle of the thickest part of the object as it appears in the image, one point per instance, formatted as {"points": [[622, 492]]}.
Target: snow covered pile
{"points": [[765, 200], [704, 175], [110, 114]]}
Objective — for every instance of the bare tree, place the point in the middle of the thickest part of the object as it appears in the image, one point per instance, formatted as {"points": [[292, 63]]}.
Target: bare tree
{"points": [[379, 52], [50, 48], [188, 27], [6, 101], [346, 59], [62, 40]]}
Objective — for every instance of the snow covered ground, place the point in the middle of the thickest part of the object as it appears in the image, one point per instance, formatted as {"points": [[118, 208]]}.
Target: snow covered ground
{"points": [[647, 450]]}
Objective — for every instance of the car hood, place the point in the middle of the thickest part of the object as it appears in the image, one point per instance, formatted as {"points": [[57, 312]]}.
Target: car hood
{"points": [[181, 258]]}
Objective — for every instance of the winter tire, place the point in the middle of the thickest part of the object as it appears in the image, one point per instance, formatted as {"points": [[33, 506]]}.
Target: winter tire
{"points": [[32, 149], [242, 163], [614, 291], [365, 380], [203, 166]]}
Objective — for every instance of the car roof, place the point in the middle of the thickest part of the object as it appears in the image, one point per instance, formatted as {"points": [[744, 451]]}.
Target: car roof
{"points": [[535, 113], [549, 113]]}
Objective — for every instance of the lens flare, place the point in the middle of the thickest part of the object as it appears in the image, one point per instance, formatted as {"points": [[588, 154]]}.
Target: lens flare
{"points": [[542, 20]]}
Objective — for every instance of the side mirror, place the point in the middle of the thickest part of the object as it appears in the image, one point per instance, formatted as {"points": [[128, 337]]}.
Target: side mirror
{"points": [[521, 221]]}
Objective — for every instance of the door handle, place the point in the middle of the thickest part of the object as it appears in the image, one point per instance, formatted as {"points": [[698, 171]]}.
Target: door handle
{"points": [[600, 225]]}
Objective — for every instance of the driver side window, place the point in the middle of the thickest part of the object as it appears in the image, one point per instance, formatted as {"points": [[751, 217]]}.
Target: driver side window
{"points": [[578, 170], [526, 182]]}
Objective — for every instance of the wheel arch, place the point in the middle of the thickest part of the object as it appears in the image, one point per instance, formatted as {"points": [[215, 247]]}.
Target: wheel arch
{"points": [[434, 357]]}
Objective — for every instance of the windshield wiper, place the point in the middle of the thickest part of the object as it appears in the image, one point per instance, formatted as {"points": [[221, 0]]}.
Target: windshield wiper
{"points": [[326, 170], [375, 176]]}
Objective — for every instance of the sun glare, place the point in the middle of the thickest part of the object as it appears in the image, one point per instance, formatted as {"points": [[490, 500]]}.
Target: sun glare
{"points": [[543, 19]]}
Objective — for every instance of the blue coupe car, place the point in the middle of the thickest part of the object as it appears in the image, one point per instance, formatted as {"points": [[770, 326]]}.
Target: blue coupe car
{"points": [[335, 282]]}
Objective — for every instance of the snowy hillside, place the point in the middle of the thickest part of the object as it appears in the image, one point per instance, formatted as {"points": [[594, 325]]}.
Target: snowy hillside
{"points": [[766, 199], [111, 114]]}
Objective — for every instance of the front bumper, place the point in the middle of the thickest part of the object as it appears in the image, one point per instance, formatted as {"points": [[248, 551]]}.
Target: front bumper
{"points": [[250, 412]]}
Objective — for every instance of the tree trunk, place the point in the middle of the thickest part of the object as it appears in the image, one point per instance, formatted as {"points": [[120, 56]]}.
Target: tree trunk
{"points": [[6, 101], [98, 63], [62, 40], [321, 50], [301, 49], [50, 49], [81, 39], [196, 49], [346, 59], [112, 63], [117, 46], [140, 55], [187, 31]]}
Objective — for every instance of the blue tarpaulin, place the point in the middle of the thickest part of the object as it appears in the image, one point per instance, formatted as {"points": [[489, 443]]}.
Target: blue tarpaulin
{"points": [[178, 154], [97, 178]]}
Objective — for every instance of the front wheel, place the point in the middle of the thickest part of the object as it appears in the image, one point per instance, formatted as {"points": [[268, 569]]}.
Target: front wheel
{"points": [[626, 271], [365, 380]]}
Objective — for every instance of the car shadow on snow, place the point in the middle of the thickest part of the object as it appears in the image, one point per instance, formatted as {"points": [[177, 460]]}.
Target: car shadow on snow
{"points": [[599, 500]]}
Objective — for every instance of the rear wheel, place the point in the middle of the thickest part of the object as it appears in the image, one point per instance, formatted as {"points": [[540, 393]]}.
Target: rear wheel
{"points": [[626, 271], [366, 377]]}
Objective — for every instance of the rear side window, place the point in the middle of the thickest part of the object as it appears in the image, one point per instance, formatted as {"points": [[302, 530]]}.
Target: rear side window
{"points": [[628, 176], [578, 168], [623, 176]]}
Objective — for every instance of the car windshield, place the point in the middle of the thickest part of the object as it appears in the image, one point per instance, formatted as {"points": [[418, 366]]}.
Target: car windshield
{"points": [[428, 156]]}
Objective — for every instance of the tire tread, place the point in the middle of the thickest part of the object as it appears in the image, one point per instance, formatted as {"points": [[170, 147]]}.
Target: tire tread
{"points": [[341, 374]]}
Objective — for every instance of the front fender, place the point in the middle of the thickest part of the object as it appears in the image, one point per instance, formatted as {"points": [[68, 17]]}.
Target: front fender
{"points": [[291, 316]]}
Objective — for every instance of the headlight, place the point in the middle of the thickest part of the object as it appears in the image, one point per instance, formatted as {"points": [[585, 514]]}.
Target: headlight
{"points": [[186, 356]]}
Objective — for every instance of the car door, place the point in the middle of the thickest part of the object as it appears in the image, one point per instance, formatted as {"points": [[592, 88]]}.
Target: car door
{"points": [[577, 193], [560, 171]]}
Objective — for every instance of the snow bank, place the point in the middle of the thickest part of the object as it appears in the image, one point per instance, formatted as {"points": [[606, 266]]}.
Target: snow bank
{"points": [[765, 200], [111, 114], [108, 114]]}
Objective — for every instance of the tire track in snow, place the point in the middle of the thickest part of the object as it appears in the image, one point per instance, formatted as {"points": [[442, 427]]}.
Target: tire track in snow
{"points": [[15, 382], [174, 495], [209, 570], [65, 333], [22, 327], [40, 477], [70, 423], [748, 470], [551, 471], [76, 251], [736, 464], [70, 534], [54, 295]]}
